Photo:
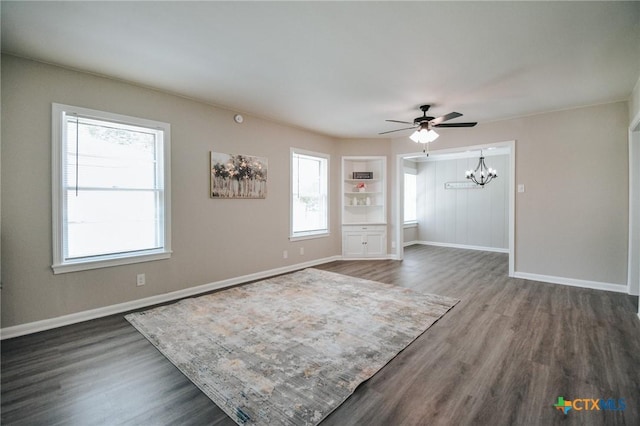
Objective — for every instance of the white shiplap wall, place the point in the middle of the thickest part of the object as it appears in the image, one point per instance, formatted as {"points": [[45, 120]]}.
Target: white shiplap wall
{"points": [[476, 218]]}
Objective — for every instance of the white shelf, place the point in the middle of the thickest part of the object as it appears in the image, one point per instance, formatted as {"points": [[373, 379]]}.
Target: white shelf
{"points": [[360, 213]]}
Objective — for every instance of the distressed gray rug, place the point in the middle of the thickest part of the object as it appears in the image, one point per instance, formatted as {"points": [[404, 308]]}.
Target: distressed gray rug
{"points": [[290, 349]]}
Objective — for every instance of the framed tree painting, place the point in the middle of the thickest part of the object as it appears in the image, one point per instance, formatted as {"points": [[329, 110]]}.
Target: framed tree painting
{"points": [[238, 176]]}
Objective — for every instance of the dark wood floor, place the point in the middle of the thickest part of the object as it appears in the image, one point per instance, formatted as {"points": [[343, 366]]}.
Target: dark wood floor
{"points": [[502, 356]]}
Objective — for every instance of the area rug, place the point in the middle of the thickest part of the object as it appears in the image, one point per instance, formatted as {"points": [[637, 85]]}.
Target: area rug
{"points": [[290, 349]]}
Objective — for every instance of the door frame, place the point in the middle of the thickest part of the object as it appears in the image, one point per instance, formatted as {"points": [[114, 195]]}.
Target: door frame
{"points": [[398, 204], [633, 263]]}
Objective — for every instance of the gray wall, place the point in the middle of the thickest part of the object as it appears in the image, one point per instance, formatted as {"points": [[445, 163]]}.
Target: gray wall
{"points": [[212, 239], [468, 217], [572, 221]]}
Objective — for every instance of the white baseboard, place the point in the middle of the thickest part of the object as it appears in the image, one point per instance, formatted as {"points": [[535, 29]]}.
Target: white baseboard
{"points": [[596, 285], [410, 243], [385, 257], [462, 246], [48, 324]]}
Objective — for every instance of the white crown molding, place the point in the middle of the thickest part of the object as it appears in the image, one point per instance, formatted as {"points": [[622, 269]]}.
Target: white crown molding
{"points": [[48, 324]]}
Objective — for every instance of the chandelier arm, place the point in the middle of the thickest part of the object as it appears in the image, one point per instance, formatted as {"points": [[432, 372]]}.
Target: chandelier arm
{"points": [[483, 165]]}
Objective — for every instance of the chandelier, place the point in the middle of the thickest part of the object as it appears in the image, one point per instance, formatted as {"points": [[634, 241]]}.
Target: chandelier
{"points": [[482, 175]]}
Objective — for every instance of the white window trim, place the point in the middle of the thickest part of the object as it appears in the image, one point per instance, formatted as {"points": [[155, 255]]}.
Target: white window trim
{"points": [[308, 235], [58, 115]]}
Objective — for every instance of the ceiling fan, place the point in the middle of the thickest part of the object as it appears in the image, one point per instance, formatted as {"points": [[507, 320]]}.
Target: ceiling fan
{"points": [[428, 123]]}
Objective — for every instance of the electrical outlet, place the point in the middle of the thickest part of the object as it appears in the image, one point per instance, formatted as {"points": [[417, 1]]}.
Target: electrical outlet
{"points": [[141, 279], [301, 251], [285, 254]]}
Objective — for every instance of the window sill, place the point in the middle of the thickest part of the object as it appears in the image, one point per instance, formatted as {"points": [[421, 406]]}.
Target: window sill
{"points": [[407, 225], [108, 261], [308, 236]]}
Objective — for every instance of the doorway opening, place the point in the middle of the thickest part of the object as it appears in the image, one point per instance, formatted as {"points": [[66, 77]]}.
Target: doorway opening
{"points": [[506, 148]]}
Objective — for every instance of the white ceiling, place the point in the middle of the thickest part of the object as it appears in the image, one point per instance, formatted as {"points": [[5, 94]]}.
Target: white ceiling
{"points": [[342, 68]]}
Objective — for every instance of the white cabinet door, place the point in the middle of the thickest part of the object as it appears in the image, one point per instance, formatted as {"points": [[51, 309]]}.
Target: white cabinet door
{"points": [[364, 241], [375, 244], [352, 244]]}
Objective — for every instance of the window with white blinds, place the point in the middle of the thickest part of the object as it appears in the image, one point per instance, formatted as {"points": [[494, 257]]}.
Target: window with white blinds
{"points": [[110, 189]]}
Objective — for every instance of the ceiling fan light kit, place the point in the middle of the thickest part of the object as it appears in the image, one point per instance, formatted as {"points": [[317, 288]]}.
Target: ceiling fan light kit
{"points": [[424, 136]]}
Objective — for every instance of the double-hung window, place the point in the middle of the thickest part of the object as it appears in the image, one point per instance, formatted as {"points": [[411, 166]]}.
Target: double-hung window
{"points": [[309, 194], [410, 197], [111, 181]]}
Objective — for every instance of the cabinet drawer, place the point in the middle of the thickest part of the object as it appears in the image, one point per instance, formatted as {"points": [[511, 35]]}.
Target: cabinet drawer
{"points": [[364, 228]]}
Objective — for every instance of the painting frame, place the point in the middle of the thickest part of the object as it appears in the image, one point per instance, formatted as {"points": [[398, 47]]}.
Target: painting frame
{"points": [[237, 176]]}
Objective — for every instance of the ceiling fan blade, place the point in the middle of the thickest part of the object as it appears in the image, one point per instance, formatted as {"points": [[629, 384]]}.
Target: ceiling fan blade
{"points": [[398, 121], [397, 130], [471, 124], [445, 117]]}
